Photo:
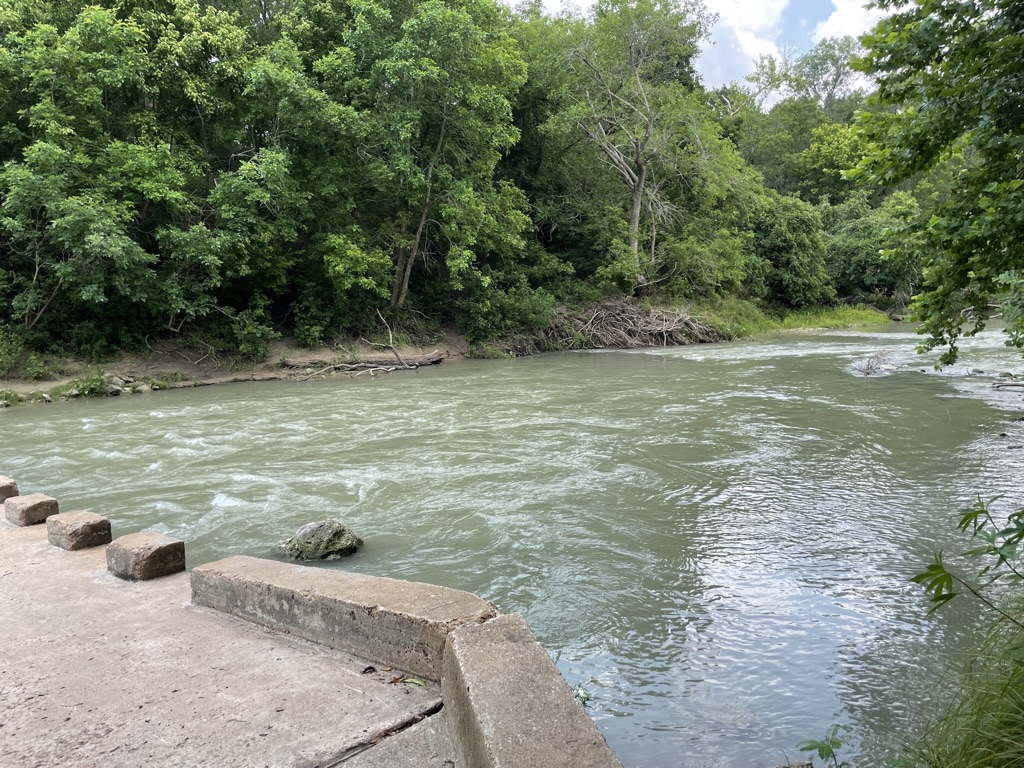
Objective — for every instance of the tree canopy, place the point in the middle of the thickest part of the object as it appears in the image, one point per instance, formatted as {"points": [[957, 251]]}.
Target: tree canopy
{"points": [[949, 90], [241, 168]]}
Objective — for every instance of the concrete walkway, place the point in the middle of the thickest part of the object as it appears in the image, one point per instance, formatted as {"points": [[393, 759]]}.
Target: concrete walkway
{"points": [[97, 671]]}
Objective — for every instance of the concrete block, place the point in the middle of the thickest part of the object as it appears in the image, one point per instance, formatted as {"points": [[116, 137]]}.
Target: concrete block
{"points": [[144, 556], [78, 530], [399, 624], [8, 488], [30, 510], [508, 706]]}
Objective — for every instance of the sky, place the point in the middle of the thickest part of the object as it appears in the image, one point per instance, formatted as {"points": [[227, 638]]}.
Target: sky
{"points": [[748, 28]]}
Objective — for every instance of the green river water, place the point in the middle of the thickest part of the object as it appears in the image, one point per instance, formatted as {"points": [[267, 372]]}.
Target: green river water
{"points": [[714, 541]]}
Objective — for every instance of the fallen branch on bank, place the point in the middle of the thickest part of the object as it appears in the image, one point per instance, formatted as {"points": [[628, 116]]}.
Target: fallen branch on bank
{"points": [[369, 368], [373, 366]]}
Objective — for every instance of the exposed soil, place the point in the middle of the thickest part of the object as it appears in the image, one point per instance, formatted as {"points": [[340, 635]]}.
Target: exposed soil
{"points": [[168, 365], [617, 323]]}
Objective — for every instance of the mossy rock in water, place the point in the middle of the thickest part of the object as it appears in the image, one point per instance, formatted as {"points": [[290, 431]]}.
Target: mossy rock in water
{"points": [[326, 540]]}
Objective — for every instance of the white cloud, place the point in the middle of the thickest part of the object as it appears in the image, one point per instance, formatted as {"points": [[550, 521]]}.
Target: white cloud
{"points": [[745, 30], [849, 17]]}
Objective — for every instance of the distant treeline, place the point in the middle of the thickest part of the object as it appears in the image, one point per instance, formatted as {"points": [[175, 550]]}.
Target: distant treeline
{"points": [[247, 167]]}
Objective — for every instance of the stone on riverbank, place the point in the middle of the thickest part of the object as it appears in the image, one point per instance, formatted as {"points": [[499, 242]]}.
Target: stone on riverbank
{"points": [[324, 540], [144, 556], [30, 510], [78, 530], [8, 488]]}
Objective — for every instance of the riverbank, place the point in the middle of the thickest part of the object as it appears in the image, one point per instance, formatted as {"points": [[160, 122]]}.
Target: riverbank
{"points": [[186, 363], [178, 365]]}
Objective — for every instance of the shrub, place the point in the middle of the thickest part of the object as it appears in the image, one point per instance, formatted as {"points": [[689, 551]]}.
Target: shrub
{"points": [[500, 313], [91, 385], [253, 334], [983, 726], [12, 345]]}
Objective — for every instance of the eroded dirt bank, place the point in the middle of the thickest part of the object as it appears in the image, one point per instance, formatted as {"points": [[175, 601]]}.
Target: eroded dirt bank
{"points": [[169, 366]]}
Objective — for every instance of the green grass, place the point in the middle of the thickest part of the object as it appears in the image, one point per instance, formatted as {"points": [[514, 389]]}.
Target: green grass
{"points": [[738, 318], [10, 397], [983, 726], [832, 317]]}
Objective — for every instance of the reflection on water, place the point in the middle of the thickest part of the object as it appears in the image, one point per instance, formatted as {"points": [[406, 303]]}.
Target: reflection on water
{"points": [[715, 541]]}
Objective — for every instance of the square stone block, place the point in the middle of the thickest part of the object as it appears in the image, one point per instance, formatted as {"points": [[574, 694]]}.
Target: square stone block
{"points": [[30, 510], [144, 556], [78, 530], [8, 488]]}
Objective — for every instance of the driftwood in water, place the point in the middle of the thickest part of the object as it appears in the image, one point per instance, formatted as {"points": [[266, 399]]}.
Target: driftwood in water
{"points": [[1007, 383]]}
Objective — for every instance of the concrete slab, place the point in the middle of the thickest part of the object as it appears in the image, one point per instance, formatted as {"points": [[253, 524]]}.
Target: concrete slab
{"points": [[8, 488], [31, 509], [422, 745], [101, 672], [398, 623], [507, 706]]}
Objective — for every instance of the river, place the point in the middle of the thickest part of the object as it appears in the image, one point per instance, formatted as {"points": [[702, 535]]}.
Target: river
{"points": [[714, 542]]}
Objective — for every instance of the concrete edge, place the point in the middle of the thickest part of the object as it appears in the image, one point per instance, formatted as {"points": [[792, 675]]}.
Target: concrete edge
{"points": [[395, 623], [508, 705]]}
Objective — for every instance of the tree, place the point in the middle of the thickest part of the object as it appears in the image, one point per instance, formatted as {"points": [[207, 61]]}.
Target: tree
{"points": [[859, 248], [432, 82], [949, 78], [128, 122], [834, 149], [788, 243], [826, 76], [184, 165], [632, 63], [774, 142]]}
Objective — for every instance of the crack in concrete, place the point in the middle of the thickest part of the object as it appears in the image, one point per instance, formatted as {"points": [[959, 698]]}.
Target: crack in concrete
{"points": [[376, 738]]}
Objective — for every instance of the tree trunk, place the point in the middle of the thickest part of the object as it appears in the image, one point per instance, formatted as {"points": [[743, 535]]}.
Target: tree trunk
{"points": [[399, 263], [413, 254], [403, 268], [636, 201]]}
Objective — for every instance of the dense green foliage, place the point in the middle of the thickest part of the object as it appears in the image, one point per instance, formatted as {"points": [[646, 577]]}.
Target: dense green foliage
{"points": [[949, 84], [239, 170], [983, 725]]}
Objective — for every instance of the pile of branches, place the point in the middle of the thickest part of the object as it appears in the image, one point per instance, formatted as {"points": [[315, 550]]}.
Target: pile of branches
{"points": [[617, 323], [622, 323]]}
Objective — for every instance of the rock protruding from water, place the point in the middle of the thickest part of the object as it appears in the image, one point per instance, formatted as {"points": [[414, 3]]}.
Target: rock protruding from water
{"points": [[325, 540]]}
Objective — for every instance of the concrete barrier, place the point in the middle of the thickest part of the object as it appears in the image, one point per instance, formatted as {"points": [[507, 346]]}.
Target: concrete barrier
{"points": [[400, 624], [144, 556], [508, 706]]}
